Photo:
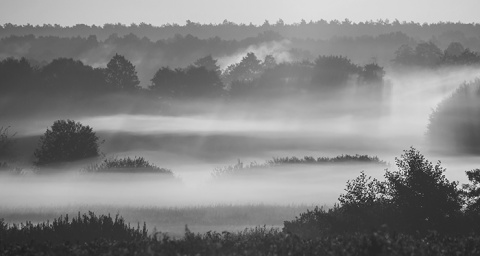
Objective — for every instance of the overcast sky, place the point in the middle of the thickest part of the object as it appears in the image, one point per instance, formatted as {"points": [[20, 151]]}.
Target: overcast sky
{"points": [[158, 12]]}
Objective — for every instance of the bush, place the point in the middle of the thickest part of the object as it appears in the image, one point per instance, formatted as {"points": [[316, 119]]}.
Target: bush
{"points": [[66, 141], [127, 165]]}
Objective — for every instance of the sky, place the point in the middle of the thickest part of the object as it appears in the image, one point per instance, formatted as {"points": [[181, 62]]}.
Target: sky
{"points": [[159, 12]]}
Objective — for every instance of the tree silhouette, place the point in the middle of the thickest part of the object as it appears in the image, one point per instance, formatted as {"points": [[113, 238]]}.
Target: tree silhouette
{"points": [[121, 74], [405, 55], [15, 75], [66, 141], [454, 49], [208, 63], [421, 192], [372, 74], [201, 82], [190, 82], [269, 62], [70, 76], [166, 83], [428, 54], [473, 191], [333, 71], [249, 68]]}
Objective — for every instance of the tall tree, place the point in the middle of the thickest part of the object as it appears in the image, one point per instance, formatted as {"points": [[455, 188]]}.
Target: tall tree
{"points": [[121, 74], [248, 69], [209, 63]]}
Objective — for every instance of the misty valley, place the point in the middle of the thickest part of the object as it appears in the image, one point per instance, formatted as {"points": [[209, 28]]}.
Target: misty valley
{"points": [[320, 138]]}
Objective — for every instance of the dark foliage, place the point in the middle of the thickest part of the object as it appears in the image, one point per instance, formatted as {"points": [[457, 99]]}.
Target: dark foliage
{"points": [[248, 69], [372, 74], [415, 198], [127, 165], [240, 168], [473, 191], [16, 75], [257, 241], [325, 160], [209, 63], [121, 74], [283, 79], [6, 143], [190, 82], [63, 230], [66, 141], [67, 76], [454, 126], [424, 198], [333, 72], [427, 54]]}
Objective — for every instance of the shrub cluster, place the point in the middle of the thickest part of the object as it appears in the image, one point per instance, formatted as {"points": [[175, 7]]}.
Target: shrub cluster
{"points": [[66, 141], [127, 165], [415, 198], [240, 168], [320, 160]]}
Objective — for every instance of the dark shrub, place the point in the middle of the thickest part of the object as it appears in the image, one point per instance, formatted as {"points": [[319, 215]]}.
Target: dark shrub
{"points": [[127, 165], [66, 141], [415, 198]]}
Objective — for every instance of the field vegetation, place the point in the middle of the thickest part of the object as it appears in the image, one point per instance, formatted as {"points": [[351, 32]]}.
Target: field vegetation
{"points": [[415, 210], [240, 168]]}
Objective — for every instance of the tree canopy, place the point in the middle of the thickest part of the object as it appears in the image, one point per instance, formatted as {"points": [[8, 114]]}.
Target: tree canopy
{"points": [[121, 74], [66, 141]]}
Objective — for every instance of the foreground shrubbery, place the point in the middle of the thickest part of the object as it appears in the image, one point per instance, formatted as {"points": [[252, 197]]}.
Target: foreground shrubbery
{"points": [[105, 236], [416, 210], [241, 168], [416, 198], [80, 229]]}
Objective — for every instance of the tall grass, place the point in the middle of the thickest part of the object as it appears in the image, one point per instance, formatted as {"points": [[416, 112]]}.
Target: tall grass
{"points": [[98, 236], [80, 229]]}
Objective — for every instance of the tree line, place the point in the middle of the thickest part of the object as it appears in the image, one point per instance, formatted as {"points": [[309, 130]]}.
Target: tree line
{"points": [[319, 29], [428, 54], [204, 78], [181, 50]]}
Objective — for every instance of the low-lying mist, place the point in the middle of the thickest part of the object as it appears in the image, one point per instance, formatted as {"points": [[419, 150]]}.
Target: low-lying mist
{"points": [[200, 136]]}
